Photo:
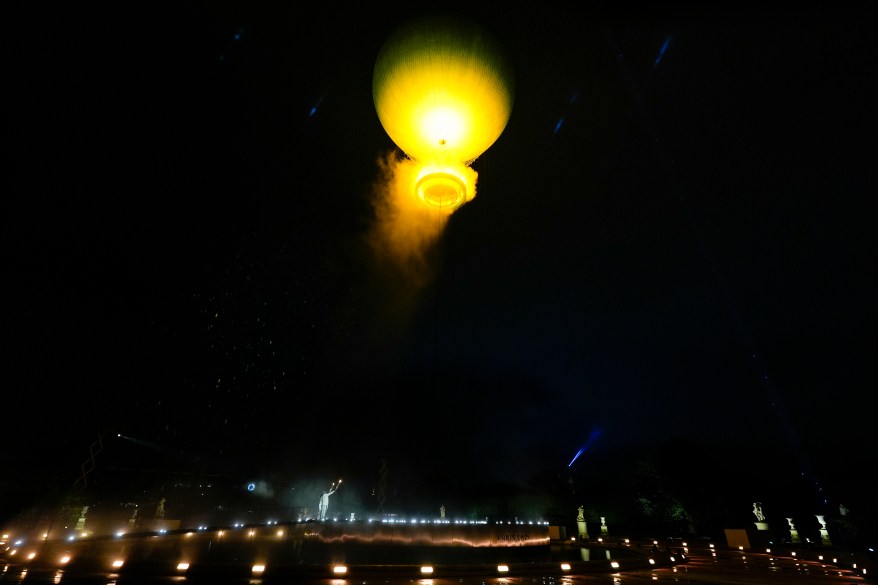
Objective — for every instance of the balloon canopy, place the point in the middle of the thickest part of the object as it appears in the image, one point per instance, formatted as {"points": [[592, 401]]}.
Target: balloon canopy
{"points": [[443, 89]]}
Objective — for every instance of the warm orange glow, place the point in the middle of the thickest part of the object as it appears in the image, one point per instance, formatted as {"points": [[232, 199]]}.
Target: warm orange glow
{"points": [[443, 92], [444, 186]]}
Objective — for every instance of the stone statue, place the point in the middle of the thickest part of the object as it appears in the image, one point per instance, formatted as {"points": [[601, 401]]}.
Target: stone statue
{"points": [[80, 524], [824, 533], [160, 509], [323, 506], [794, 534], [757, 509], [442, 511], [580, 524]]}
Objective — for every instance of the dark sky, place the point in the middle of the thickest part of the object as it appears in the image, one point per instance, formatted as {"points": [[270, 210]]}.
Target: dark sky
{"points": [[673, 237]]}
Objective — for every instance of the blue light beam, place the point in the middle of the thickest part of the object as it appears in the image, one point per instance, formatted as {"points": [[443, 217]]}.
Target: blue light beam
{"points": [[592, 437], [661, 53]]}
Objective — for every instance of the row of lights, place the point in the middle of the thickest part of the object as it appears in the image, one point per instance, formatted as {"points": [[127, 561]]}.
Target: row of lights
{"points": [[202, 528], [502, 568], [279, 533], [820, 558], [259, 568]]}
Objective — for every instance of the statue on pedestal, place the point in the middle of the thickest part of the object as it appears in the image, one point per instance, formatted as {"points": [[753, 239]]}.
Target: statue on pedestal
{"points": [[580, 523], [794, 534], [761, 524], [824, 533], [80, 524]]}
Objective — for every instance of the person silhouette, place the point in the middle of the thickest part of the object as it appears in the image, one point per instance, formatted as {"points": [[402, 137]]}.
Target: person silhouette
{"points": [[323, 506]]}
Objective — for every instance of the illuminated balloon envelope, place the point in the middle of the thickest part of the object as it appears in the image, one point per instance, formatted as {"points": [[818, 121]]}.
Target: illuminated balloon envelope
{"points": [[443, 90]]}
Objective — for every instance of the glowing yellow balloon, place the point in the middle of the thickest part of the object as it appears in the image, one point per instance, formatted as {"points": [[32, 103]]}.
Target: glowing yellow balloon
{"points": [[443, 90]]}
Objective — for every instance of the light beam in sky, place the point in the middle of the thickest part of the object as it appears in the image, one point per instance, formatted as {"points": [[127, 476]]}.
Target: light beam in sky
{"points": [[661, 53], [592, 437]]}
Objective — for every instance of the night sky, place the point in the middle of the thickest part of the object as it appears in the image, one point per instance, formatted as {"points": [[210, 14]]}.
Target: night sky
{"points": [[674, 238]]}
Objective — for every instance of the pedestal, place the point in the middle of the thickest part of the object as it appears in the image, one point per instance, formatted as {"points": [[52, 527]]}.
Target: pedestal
{"points": [[761, 525], [583, 531]]}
